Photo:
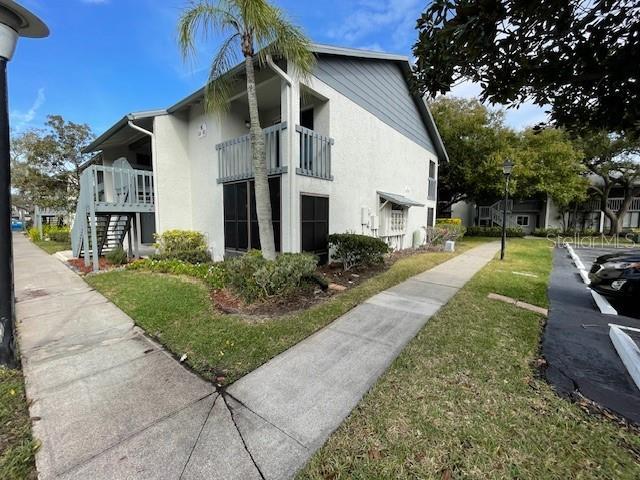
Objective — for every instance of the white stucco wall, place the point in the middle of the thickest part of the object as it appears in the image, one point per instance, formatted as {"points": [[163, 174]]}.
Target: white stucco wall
{"points": [[172, 173], [368, 156]]}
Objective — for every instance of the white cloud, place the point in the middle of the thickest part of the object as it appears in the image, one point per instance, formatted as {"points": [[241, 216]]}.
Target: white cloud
{"points": [[22, 119], [369, 17]]}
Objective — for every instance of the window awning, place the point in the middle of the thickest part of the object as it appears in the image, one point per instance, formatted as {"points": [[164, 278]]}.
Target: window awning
{"points": [[399, 199]]}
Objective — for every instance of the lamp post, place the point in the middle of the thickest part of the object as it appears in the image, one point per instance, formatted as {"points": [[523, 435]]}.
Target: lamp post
{"points": [[15, 21], [507, 167]]}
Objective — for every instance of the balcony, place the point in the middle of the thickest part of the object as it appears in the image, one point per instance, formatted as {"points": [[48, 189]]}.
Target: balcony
{"points": [[315, 154], [234, 156], [118, 189]]}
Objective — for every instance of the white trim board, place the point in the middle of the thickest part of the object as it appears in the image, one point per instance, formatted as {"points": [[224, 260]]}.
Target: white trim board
{"points": [[627, 350]]}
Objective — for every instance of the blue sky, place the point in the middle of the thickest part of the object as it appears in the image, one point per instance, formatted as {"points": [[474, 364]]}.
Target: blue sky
{"points": [[106, 58]]}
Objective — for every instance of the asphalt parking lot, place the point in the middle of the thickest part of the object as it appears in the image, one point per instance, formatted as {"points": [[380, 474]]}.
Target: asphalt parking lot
{"points": [[576, 346]]}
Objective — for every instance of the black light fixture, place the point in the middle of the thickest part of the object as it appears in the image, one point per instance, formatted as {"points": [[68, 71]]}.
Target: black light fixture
{"points": [[15, 21], [507, 168]]}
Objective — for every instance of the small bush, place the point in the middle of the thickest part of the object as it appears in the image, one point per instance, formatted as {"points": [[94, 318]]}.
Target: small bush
{"points": [[444, 232], [213, 274], [185, 245], [494, 232], [34, 234], [546, 232], [58, 234], [117, 256], [357, 250], [449, 221], [254, 278]]}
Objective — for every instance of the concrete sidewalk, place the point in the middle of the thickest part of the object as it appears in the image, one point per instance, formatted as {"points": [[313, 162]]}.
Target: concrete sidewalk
{"points": [[108, 403]]}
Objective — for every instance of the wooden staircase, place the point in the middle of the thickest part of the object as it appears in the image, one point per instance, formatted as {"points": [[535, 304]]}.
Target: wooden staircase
{"points": [[110, 233]]}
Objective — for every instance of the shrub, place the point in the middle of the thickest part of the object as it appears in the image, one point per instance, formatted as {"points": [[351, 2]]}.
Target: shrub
{"points": [[117, 256], [494, 232], [449, 221], [58, 234], [185, 245], [546, 232], [34, 234], [355, 250], [442, 233], [253, 277], [213, 274]]}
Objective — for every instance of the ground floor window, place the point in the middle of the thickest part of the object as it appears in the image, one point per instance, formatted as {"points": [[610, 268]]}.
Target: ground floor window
{"points": [[430, 215], [522, 220], [240, 220], [315, 226]]}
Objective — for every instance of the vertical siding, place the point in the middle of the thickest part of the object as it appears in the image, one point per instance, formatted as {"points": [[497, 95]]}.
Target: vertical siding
{"points": [[379, 87]]}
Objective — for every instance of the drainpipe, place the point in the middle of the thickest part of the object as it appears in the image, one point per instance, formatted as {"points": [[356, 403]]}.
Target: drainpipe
{"points": [[291, 170], [156, 197]]}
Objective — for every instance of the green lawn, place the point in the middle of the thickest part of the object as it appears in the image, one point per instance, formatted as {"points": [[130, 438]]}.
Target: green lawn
{"points": [[17, 448], [464, 401], [53, 247], [179, 313]]}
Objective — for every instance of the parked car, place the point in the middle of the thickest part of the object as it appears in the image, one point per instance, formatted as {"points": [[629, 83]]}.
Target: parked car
{"points": [[16, 225], [617, 275]]}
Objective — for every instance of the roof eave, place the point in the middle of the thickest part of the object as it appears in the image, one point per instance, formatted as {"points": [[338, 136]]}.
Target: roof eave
{"points": [[116, 127]]}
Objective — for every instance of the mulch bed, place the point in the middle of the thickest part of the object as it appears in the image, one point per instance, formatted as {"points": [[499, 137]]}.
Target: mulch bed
{"points": [[227, 302], [77, 264]]}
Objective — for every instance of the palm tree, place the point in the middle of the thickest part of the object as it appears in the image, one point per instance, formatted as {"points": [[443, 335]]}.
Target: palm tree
{"points": [[253, 29]]}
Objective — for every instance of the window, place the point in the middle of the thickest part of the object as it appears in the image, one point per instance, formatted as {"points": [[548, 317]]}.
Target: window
{"points": [[522, 220], [240, 220], [315, 226], [432, 188], [430, 215]]}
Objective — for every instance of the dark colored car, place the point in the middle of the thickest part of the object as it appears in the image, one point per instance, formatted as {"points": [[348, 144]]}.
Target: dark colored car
{"points": [[617, 275]]}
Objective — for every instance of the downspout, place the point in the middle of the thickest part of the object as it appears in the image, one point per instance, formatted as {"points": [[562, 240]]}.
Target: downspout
{"points": [[156, 197], [291, 171]]}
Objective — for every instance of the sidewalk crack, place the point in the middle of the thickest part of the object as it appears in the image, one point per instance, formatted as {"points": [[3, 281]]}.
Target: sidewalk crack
{"points": [[244, 443], [195, 444]]}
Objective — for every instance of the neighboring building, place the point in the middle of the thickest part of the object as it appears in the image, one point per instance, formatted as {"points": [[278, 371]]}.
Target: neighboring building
{"points": [[533, 213], [352, 149]]}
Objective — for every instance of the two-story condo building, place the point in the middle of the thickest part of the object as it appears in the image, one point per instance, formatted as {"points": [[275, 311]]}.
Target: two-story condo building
{"points": [[350, 150]]}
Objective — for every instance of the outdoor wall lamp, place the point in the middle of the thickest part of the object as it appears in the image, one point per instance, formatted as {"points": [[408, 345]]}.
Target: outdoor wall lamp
{"points": [[507, 168], [15, 22]]}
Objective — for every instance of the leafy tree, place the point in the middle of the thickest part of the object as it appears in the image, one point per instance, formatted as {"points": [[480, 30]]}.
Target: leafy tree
{"points": [[549, 163], [613, 160], [46, 162], [582, 57], [478, 143], [254, 28]]}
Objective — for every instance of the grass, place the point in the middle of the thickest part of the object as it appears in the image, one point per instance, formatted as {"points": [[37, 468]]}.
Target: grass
{"points": [[178, 312], [463, 400], [52, 247], [17, 448]]}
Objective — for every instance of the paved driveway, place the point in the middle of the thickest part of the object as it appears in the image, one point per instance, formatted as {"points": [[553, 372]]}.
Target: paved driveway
{"points": [[576, 344]]}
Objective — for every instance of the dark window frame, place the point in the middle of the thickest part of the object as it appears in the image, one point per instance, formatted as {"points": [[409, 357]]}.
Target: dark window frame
{"points": [[322, 254]]}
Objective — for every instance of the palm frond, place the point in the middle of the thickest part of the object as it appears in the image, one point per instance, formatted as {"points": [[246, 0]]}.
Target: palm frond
{"points": [[218, 89], [205, 18], [280, 37]]}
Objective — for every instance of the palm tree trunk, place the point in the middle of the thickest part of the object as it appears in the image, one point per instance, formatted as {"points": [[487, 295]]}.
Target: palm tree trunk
{"points": [[259, 158]]}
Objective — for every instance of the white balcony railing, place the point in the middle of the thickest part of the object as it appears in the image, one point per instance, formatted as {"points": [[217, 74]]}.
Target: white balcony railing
{"points": [[234, 156]]}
